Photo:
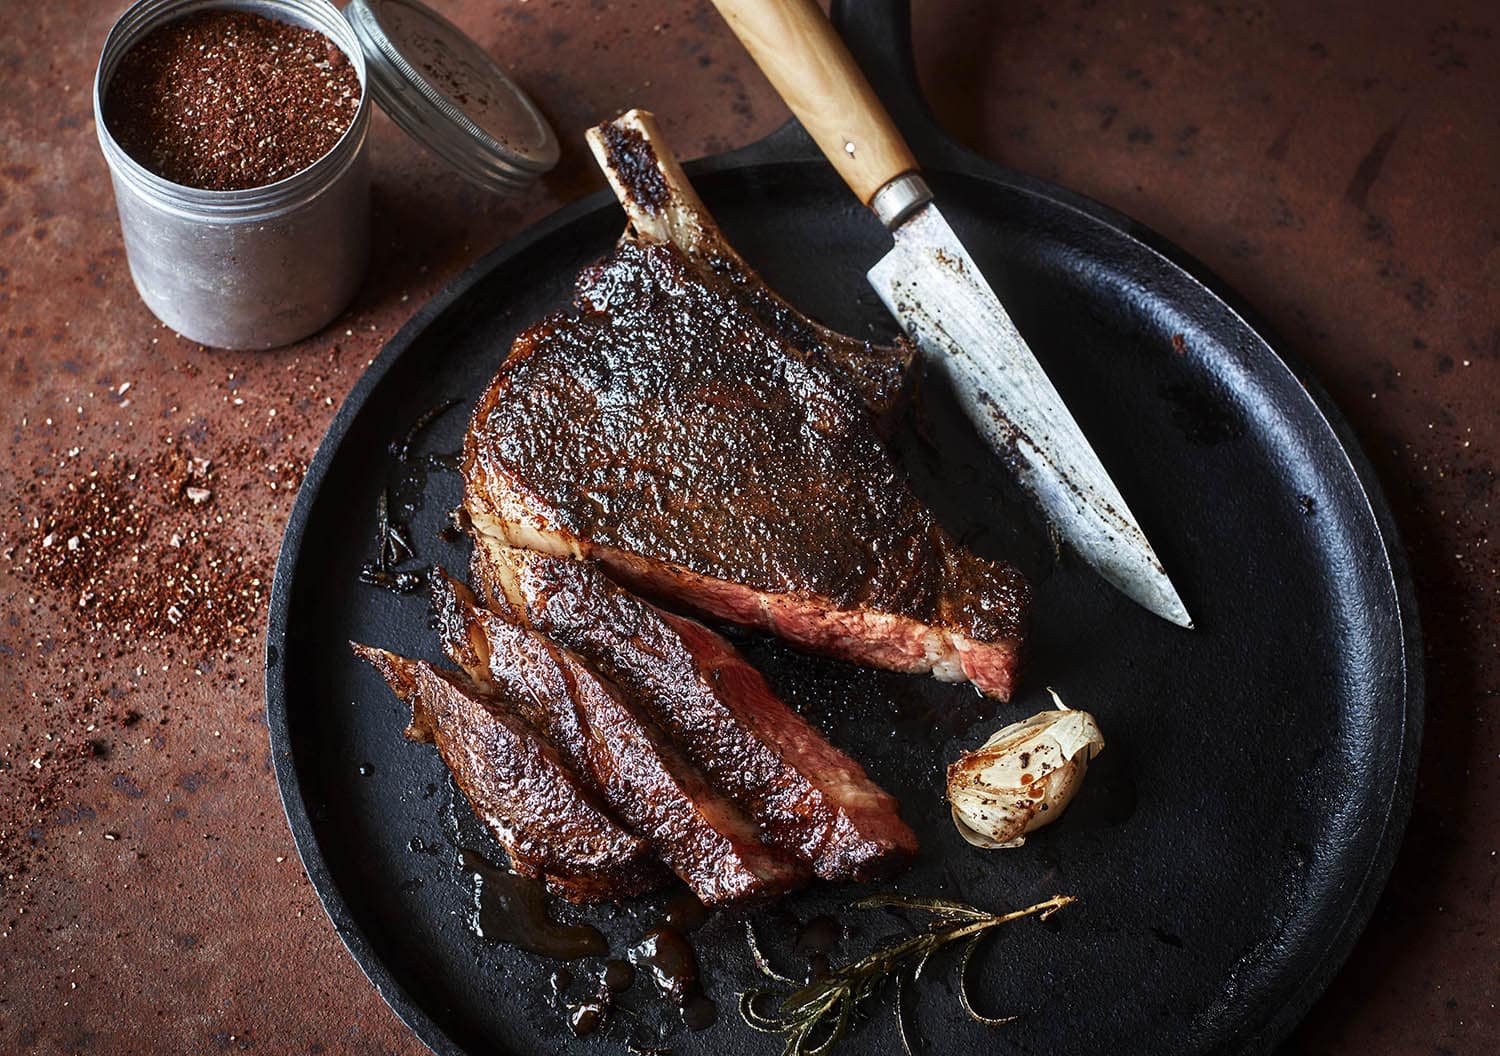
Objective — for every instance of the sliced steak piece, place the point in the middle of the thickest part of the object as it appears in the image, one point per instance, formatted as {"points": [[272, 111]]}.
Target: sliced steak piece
{"points": [[552, 826], [808, 797], [701, 836], [663, 430], [661, 206]]}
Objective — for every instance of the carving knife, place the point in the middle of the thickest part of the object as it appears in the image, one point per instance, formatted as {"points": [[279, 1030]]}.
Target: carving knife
{"points": [[931, 285]]}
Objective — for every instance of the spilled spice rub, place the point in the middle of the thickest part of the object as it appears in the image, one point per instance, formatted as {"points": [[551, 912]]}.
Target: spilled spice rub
{"points": [[132, 548]]}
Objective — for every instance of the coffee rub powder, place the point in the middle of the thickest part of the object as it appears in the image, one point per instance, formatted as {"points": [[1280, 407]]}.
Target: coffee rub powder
{"points": [[225, 100]]}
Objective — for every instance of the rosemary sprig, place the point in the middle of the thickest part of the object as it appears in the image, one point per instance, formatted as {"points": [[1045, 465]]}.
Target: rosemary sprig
{"points": [[815, 1016]]}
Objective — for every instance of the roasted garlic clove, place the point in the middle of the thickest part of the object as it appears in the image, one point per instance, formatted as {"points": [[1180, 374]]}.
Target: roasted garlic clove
{"points": [[1022, 777]]}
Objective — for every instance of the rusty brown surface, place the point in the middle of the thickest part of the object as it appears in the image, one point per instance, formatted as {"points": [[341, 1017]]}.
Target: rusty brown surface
{"points": [[1335, 163]]}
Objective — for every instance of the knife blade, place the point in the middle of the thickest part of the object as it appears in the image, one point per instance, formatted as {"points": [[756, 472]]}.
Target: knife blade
{"points": [[933, 288]]}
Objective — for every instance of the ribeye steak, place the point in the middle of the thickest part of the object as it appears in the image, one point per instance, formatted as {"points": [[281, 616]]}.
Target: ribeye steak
{"points": [[665, 429]]}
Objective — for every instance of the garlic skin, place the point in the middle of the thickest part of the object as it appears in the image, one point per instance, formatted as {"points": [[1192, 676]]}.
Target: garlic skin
{"points": [[1023, 777]]}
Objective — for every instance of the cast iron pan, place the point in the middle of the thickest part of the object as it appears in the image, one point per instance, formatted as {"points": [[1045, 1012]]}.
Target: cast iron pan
{"points": [[1228, 845]]}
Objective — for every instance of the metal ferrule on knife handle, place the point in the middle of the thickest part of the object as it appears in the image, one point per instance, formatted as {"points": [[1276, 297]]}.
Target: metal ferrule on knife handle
{"points": [[900, 198]]}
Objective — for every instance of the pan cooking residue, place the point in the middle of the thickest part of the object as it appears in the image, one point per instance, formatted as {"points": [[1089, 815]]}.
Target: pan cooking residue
{"points": [[513, 909], [398, 504], [815, 941], [667, 958]]}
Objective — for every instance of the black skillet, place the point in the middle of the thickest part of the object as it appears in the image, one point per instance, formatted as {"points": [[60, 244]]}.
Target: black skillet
{"points": [[1228, 845]]}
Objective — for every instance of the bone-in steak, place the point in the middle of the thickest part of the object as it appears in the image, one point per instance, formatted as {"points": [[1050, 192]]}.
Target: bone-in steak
{"points": [[664, 430], [608, 740], [807, 796], [551, 826], [661, 206]]}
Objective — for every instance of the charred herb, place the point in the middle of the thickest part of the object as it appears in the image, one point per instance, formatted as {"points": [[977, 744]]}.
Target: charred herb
{"points": [[392, 546], [397, 544], [383, 531], [814, 1017], [392, 543]]}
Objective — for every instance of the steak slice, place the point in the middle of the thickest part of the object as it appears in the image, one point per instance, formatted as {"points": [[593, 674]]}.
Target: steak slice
{"points": [[808, 797], [701, 836], [663, 430], [551, 826], [661, 206]]}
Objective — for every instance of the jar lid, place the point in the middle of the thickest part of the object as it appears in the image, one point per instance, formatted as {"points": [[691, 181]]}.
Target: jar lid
{"points": [[446, 92]]}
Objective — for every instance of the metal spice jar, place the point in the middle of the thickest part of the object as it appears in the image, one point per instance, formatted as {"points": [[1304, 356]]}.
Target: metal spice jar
{"points": [[241, 230]]}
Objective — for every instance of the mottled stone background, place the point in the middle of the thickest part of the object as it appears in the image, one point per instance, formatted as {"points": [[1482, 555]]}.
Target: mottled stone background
{"points": [[1335, 162]]}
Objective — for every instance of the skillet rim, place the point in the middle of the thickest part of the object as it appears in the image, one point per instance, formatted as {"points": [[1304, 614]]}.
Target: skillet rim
{"points": [[788, 147]]}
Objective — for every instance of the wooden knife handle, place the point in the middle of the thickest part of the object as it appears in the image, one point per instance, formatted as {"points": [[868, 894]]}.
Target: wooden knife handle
{"points": [[796, 47]]}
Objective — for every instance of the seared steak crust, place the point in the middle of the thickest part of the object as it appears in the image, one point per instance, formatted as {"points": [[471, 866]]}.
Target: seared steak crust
{"points": [[613, 745], [551, 826], [664, 430], [808, 797]]}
